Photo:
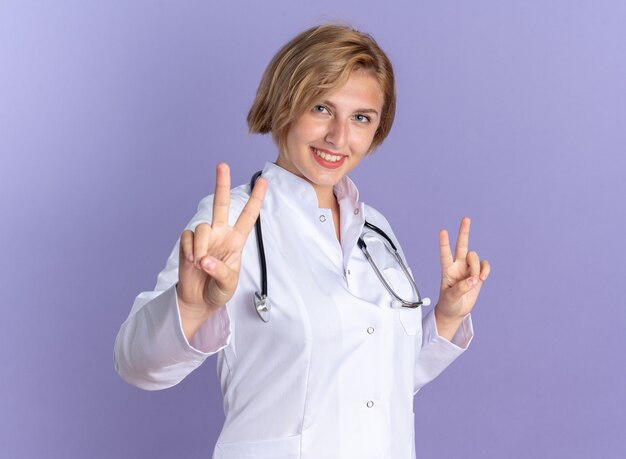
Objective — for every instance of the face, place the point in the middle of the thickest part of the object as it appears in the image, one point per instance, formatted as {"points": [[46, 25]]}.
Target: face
{"points": [[331, 137]]}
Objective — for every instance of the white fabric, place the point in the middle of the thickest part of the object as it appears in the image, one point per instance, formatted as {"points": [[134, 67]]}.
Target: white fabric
{"points": [[333, 373]]}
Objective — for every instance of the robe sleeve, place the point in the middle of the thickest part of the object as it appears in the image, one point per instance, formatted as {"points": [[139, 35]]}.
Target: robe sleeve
{"points": [[151, 350], [437, 352]]}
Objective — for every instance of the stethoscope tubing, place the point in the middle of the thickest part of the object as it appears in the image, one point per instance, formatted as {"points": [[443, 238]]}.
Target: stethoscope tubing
{"points": [[259, 242], [261, 299]]}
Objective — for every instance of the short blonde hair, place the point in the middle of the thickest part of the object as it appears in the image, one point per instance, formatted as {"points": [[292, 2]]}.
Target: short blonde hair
{"points": [[313, 63]]}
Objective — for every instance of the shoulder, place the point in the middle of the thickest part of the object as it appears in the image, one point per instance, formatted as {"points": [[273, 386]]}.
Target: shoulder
{"points": [[376, 218]]}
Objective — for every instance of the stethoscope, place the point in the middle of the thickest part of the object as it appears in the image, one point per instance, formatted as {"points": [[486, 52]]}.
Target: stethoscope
{"points": [[261, 300]]}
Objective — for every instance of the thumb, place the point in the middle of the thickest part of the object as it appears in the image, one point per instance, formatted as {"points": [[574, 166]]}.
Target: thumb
{"points": [[217, 269]]}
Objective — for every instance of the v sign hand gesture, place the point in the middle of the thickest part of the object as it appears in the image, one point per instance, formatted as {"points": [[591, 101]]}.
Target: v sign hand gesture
{"points": [[461, 280], [210, 256]]}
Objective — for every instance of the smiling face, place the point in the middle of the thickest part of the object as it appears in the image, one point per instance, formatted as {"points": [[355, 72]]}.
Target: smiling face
{"points": [[331, 138]]}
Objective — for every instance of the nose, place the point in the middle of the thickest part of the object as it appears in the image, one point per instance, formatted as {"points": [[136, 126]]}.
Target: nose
{"points": [[337, 133]]}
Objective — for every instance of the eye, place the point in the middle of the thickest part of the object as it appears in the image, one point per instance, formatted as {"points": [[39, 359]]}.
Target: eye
{"points": [[320, 109], [362, 118]]}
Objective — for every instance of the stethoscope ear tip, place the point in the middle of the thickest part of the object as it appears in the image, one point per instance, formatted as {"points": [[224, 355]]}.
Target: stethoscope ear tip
{"points": [[425, 301]]}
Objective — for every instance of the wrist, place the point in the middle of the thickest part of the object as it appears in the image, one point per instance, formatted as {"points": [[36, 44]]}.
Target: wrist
{"points": [[447, 325], [193, 316], [193, 312], [447, 318]]}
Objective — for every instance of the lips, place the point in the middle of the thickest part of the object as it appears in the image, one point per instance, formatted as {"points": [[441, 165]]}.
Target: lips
{"points": [[327, 159]]}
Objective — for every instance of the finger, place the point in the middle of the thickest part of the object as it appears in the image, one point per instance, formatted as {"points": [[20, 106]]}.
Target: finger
{"points": [[221, 199], [202, 235], [485, 269], [186, 246], [462, 240], [444, 250], [473, 262], [461, 288], [251, 210]]}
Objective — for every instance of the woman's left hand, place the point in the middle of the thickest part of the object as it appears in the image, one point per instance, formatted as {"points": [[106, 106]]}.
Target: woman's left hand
{"points": [[461, 279]]}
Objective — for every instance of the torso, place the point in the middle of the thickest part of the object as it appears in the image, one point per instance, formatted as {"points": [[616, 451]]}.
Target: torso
{"points": [[299, 385]]}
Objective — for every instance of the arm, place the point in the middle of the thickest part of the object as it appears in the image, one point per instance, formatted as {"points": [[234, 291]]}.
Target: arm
{"points": [[151, 350], [447, 329], [438, 352], [172, 330]]}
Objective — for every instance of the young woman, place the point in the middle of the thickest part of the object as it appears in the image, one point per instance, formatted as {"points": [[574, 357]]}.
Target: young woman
{"points": [[327, 365]]}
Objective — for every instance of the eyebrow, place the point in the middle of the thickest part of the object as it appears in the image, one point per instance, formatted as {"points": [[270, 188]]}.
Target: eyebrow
{"points": [[360, 110]]}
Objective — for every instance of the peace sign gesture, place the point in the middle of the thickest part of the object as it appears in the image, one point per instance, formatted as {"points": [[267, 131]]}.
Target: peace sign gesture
{"points": [[210, 256], [461, 279]]}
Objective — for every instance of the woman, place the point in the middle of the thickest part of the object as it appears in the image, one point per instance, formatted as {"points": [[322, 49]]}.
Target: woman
{"points": [[330, 368]]}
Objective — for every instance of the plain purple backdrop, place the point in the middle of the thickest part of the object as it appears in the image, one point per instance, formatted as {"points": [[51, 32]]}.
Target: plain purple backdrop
{"points": [[114, 114]]}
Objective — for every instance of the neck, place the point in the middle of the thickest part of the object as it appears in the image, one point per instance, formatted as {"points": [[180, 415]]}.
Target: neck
{"points": [[326, 198]]}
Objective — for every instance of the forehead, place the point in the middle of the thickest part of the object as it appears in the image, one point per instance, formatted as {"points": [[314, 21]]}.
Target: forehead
{"points": [[361, 90]]}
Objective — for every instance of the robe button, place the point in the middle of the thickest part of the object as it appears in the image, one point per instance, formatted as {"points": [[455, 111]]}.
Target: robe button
{"points": [[370, 330], [370, 404], [356, 211], [322, 218]]}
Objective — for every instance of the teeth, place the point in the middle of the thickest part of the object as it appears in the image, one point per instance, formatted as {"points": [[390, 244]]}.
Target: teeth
{"points": [[326, 156]]}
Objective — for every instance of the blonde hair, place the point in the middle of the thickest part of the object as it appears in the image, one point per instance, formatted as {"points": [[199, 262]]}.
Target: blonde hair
{"points": [[313, 63]]}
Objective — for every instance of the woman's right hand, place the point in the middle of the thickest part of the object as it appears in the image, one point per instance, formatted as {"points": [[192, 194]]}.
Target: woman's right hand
{"points": [[210, 256]]}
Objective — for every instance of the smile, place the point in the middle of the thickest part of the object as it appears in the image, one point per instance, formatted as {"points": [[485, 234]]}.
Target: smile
{"points": [[327, 156], [326, 159]]}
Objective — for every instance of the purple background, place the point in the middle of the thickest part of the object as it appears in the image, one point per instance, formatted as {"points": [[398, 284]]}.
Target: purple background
{"points": [[112, 118]]}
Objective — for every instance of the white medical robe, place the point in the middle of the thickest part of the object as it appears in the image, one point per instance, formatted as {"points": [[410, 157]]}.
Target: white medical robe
{"points": [[334, 371]]}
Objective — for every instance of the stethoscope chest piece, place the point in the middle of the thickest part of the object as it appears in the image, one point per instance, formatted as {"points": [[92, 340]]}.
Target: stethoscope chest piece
{"points": [[262, 305]]}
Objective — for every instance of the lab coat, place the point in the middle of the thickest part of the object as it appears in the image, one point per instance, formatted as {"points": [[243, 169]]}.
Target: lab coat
{"points": [[334, 371]]}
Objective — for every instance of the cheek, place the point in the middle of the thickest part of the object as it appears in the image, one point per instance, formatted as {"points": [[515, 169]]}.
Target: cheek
{"points": [[301, 136], [364, 142], [314, 132]]}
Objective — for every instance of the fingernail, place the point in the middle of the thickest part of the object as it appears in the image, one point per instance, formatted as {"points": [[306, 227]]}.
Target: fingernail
{"points": [[209, 263], [473, 281], [190, 257]]}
